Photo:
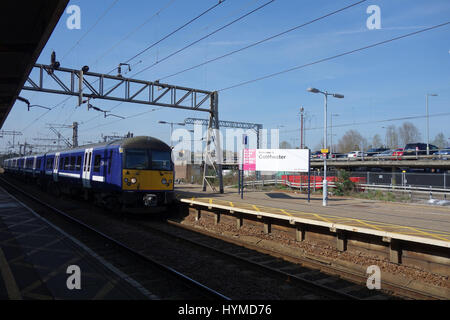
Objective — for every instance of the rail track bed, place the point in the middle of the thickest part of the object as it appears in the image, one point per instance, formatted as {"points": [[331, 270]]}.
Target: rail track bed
{"points": [[231, 269], [156, 280]]}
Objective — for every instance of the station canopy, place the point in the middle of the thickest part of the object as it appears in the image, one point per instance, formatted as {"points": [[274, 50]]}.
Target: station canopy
{"points": [[25, 28]]}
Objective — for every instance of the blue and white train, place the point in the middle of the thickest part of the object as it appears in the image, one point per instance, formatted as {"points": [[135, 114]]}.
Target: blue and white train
{"points": [[129, 173]]}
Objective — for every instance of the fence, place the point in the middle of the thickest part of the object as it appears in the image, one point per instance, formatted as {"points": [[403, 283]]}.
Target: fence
{"points": [[406, 180]]}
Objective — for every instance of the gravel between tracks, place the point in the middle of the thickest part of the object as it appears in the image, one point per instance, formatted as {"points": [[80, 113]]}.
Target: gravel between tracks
{"points": [[320, 250], [232, 279]]}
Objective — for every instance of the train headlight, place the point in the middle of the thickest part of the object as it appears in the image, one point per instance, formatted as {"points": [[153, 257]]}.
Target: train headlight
{"points": [[133, 180], [164, 181], [126, 180]]}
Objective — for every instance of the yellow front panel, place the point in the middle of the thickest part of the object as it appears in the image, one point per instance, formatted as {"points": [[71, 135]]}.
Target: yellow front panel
{"points": [[147, 180]]}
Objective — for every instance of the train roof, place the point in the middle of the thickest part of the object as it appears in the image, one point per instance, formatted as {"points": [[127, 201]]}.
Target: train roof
{"points": [[141, 142]]}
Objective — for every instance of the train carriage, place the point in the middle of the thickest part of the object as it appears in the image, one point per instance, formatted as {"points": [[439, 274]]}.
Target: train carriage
{"points": [[130, 173]]}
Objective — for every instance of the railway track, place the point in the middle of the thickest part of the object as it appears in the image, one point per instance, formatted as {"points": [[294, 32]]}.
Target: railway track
{"points": [[334, 277], [317, 282], [162, 281]]}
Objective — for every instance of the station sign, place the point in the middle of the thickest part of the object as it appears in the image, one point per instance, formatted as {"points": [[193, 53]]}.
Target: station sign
{"points": [[294, 160]]}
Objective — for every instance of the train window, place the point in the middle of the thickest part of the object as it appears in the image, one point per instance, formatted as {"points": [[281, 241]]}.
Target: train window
{"points": [[136, 159], [78, 166], [73, 160], [67, 163], [61, 163], [38, 164], [97, 163], [161, 160], [49, 165]]}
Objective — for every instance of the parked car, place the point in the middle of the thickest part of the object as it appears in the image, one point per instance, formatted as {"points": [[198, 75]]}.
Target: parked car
{"points": [[384, 154], [398, 152], [443, 154], [354, 154], [316, 155], [374, 151], [412, 149]]}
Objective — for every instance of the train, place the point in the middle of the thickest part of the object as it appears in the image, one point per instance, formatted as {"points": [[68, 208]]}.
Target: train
{"points": [[135, 174]]}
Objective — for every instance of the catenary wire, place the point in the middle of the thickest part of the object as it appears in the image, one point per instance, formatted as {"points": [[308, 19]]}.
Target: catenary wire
{"points": [[176, 30], [262, 41], [203, 38], [334, 57], [168, 4], [90, 29]]}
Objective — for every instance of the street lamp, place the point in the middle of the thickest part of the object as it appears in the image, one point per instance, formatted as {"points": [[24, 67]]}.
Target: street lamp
{"points": [[171, 128], [428, 123], [325, 183]]}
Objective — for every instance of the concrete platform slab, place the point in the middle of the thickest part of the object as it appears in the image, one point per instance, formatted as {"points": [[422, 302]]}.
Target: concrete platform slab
{"points": [[35, 256], [426, 222]]}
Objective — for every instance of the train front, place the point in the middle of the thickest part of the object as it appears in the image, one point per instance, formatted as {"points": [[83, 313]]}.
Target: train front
{"points": [[147, 173]]}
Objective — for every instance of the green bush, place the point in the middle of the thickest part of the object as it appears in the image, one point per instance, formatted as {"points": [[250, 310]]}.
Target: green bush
{"points": [[343, 184]]}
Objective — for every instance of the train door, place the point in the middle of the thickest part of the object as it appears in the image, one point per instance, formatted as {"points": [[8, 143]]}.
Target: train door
{"points": [[34, 166], [55, 167], [87, 164]]}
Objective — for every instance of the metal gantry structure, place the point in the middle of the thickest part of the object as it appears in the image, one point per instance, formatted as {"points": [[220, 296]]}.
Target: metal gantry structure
{"points": [[225, 124], [10, 133], [84, 84], [231, 124]]}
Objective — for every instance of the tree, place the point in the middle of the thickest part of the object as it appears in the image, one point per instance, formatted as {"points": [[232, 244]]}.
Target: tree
{"points": [[440, 141], [376, 141], [352, 140], [392, 137], [408, 133], [285, 145]]}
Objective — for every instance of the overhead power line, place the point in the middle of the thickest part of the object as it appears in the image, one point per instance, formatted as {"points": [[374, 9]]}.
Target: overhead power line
{"points": [[176, 30], [264, 40], [204, 37], [372, 122], [134, 31], [90, 29], [334, 57]]}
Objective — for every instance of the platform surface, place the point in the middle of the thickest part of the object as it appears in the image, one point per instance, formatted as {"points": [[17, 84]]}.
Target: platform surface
{"points": [[426, 221], [35, 256]]}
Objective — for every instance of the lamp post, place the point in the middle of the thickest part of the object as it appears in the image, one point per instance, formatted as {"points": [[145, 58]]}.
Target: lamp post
{"points": [[325, 183], [385, 137], [171, 128], [428, 123], [331, 135]]}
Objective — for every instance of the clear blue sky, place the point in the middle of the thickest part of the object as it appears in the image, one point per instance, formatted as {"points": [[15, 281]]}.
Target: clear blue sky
{"points": [[388, 81]]}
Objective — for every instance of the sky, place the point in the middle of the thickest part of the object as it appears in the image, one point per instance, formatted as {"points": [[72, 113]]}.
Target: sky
{"points": [[385, 82]]}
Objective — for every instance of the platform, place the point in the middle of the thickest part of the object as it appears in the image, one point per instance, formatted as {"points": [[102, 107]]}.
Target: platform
{"points": [[35, 255], [411, 222]]}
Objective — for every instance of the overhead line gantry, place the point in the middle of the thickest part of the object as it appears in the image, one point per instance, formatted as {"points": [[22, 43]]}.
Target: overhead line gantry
{"points": [[90, 85]]}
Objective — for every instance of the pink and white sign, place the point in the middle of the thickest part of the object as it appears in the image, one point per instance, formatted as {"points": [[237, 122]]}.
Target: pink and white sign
{"points": [[249, 160], [295, 160]]}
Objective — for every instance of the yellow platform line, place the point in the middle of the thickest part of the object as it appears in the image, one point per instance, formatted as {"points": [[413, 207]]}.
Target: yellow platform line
{"points": [[381, 226], [368, 224], [8, 278]]}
